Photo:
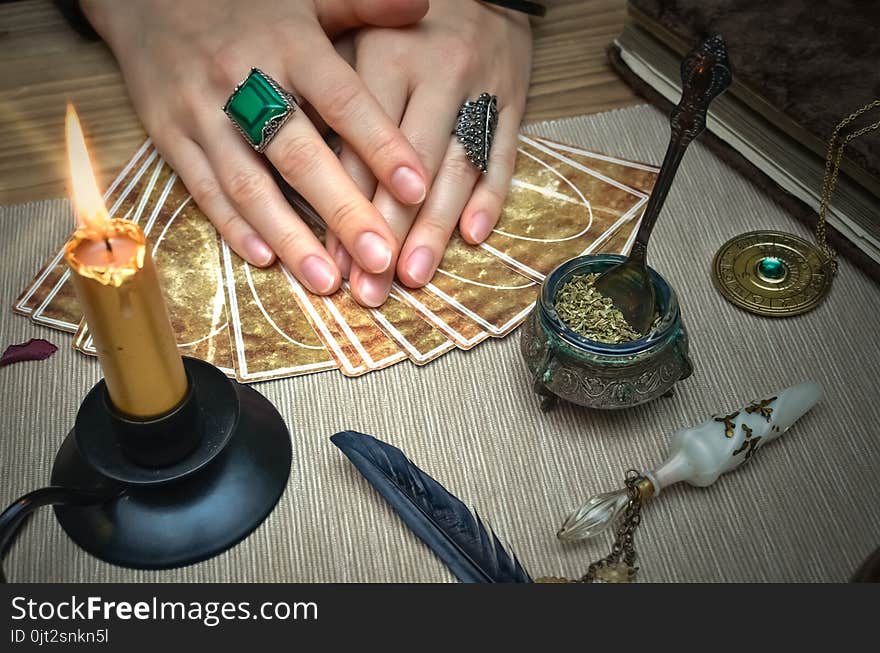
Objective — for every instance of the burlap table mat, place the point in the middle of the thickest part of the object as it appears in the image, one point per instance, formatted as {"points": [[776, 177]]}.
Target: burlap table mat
{"points": [[805, 509]]}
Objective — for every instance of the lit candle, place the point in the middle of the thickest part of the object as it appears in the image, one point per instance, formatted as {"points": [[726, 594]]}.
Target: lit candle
{"points": [[118, 290]]}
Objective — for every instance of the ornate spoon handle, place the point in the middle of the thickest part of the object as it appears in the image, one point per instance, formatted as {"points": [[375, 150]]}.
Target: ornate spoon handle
{"points": [[705, 74]]}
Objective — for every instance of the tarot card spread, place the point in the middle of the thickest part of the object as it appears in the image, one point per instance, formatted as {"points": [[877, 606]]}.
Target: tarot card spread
{"points": [[260, 324]]}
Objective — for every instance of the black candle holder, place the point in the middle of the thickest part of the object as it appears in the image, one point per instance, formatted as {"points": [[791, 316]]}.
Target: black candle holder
{"points": [[177, 489]]}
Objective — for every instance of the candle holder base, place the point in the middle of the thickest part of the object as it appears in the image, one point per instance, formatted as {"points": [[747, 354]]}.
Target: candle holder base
{"points": [[186, 510]]}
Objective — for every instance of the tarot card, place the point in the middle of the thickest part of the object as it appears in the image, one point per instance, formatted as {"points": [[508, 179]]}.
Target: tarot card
{"points": [[480, 287], [640, 176], [271, 335], [421, 341], [356, 342], [354, 337], [558, 209], [374, 346], [459, 328], [321, 319], [50, 274]]}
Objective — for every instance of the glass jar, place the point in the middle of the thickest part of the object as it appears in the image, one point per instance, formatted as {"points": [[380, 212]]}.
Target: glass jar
{"points": [[567, 366]]}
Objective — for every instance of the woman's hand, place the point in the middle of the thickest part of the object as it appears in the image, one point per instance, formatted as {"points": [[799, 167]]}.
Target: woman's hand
{"points": [[421, 75], [181, 61]]}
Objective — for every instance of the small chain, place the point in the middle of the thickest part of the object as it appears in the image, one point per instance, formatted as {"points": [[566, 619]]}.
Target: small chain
{"points": [[832, 167], [623, 548]]}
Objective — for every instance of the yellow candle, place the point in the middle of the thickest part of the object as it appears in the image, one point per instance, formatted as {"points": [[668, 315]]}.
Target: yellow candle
{"points": [[118, 290]]}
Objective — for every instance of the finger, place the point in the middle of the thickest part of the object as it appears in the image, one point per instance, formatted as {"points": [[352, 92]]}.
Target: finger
{"points": [[372, 289], [388, 83], [316, 118], [427, 124], [191, 164], [391, 93], [359, 172], [482, 211], [309, 166], [435, 222], [340, 255], [345, 103], [336, 16], [256, 196], [366, 182], [346, 48]]}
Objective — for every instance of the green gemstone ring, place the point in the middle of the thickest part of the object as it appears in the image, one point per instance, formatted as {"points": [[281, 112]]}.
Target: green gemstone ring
{"points": [[258, 107]]}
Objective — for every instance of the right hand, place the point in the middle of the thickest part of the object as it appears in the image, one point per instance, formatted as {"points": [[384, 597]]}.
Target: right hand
{"points": [[181, 61]]}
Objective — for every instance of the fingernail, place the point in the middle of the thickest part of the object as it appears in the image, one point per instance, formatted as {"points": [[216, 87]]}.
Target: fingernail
{"points": [[408, 185], [318, 275], [373, 289], [373, 252], [343, 260], [481, 226], [420, 265], [256, 251]]}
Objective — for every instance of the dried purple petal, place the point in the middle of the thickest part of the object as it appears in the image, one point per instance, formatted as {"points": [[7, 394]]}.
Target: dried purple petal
{"points": [[35, 349]]}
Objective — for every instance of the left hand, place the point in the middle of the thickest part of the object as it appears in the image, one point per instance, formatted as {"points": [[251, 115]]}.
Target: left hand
{"points": [[421, 75]]}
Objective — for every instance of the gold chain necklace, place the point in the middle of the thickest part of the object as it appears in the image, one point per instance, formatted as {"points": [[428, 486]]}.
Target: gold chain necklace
{"points": [[832, 167]]}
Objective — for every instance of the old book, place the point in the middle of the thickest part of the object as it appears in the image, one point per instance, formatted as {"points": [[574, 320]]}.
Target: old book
{"points": [[798, 71]]}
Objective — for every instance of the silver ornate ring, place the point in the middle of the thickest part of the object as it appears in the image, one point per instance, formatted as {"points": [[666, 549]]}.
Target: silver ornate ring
{"points": [[258, 107], [475, 128]]}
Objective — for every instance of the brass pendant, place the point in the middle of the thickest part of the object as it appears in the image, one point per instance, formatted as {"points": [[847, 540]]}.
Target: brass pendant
{"points": [[772, 273]]}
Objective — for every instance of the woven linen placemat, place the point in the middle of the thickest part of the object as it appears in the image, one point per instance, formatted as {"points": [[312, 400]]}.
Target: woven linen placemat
{"points": [[805, 509]]}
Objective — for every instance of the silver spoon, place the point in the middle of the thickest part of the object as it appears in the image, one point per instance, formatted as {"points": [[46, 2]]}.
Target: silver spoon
{"points": [[705, 73]]}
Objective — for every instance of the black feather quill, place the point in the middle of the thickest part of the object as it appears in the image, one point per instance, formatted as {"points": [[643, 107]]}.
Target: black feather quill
{"points": [[455, 534]]}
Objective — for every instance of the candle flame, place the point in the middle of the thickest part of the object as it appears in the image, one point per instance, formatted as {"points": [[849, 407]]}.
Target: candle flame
{"points": [[91, 214]]}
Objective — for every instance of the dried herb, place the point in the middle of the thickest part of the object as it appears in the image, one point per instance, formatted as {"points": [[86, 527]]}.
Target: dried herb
{"points": [[34, 349], [589, 313]]}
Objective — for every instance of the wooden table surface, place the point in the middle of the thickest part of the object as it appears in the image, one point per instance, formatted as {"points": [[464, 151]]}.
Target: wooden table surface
{"points": [[44, 63]]}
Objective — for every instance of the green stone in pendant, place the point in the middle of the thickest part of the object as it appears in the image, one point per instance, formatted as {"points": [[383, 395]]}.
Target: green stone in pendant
{"points": [[771, 268], [254, 104]]}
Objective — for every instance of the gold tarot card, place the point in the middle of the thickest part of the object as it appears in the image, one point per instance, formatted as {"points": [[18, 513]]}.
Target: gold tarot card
{"points": [[321, 319], [558, 209], [421, 341], [640, 176], [271, 336], [347, 329], [480, 287], [459, 328], [350, 330]]}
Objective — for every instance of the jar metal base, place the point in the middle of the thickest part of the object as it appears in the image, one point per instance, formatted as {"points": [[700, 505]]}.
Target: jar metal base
{"points": [[593, 386], [597, 375]]}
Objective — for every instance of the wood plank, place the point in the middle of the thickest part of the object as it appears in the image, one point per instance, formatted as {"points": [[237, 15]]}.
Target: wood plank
{"points": [[44, 63]]}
